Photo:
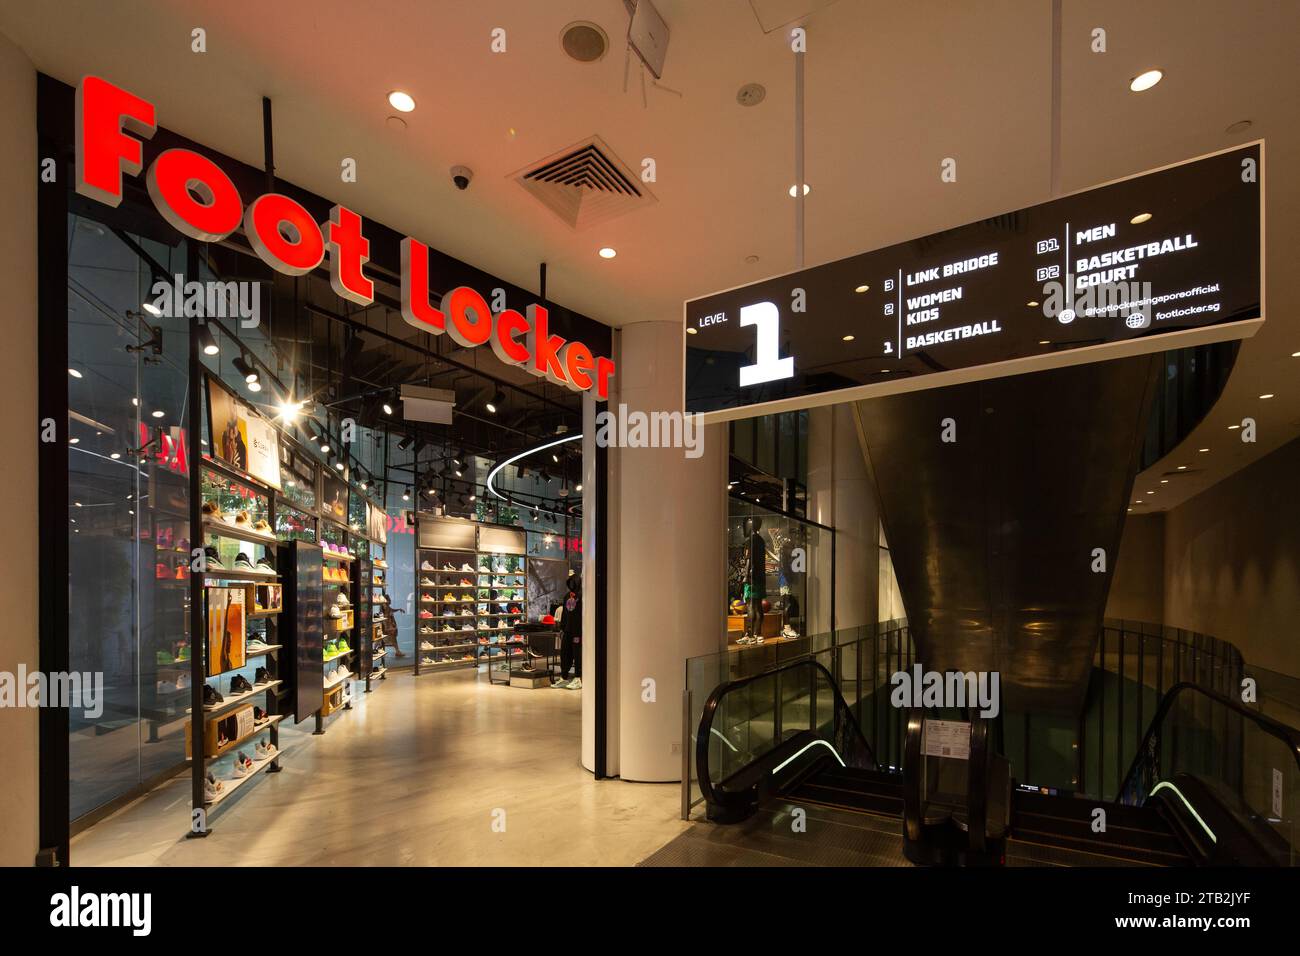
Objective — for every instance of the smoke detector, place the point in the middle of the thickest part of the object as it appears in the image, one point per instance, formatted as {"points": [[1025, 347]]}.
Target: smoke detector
{"points": [[584, 41]]}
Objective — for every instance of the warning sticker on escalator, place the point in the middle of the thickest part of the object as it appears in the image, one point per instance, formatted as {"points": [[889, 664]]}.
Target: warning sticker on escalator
{"points": [[946, 738]]}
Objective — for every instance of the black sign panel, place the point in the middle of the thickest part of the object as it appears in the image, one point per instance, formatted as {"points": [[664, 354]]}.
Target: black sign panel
{"points": [[1158, 261]]}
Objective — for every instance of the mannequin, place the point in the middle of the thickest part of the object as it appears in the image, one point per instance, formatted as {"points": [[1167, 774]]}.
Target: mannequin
{"points": [[755, 576]]}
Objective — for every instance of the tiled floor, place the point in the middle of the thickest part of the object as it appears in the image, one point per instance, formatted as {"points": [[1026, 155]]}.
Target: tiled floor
{"points": [[414, 775]]}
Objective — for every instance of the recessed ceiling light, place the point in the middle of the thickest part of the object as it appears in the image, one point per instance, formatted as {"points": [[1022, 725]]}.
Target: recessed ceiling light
{"points": [[1164, 481], [1239, 127], [1267, 395], [1033, 304], [1151, 492], [862, 288], [1140, 218], [1044, 341], [116, 455], [1182, 467], [158, 413], [608, 253], [751, 259], [1295, 354], [338, 465], [806, 190], [74, 373], [848, 338], [74, 441], [1202, 450], [1233, 427], [690, 331], [151, 309], [1144, 81], [401, 101]]}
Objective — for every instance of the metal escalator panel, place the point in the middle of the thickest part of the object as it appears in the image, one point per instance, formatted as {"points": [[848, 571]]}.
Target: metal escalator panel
{"points": [[992, 535]]}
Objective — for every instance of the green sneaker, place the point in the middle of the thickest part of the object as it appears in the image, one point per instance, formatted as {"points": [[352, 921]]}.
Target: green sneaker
{"points": [[184, 655], [342, 645], [164, 657], [330, 649]]}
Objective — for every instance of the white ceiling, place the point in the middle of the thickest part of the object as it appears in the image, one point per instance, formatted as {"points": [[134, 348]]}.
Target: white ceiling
{"points": [[892, 89]]}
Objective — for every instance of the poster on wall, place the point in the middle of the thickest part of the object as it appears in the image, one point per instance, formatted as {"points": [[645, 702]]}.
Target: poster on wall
{"points": [[376, 524], [241, 438], [334, 498], [263, 451], [226, 615]]}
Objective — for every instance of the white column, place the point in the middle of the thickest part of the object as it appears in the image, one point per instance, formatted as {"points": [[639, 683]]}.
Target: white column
{"points": [[670, 578], [19, 643]]}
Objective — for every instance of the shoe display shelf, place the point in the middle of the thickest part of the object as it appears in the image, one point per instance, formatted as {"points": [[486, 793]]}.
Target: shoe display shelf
{"points": [[443, 575], [340, 558], [502, 579], [236, 515], [372, 575]]}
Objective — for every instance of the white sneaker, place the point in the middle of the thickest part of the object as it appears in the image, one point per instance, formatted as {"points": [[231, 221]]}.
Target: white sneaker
{"points": [[426, 646], [427, 566], [467, 568], [575, 684], [265, 750]]}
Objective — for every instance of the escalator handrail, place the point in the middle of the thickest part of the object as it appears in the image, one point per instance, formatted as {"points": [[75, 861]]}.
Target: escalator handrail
{"points": [[722, 690], [1275, 728]]}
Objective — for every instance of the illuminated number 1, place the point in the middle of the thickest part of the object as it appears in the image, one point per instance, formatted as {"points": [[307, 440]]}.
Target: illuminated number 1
{"points": [[766, 319]]}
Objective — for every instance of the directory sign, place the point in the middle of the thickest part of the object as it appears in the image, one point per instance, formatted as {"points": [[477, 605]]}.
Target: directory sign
{"points": [[1158, 261]]}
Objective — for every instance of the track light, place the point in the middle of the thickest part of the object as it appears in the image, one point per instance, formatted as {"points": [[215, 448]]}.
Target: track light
{"points": [[406, 442], [245, 368], [206, 340], [497, 401], [388, 409], [406, 495]]}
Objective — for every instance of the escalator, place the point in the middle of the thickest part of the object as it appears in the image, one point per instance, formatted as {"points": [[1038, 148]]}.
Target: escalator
{"points": [[1213, 782]]}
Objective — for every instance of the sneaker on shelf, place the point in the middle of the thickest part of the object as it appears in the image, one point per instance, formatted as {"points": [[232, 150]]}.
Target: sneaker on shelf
{"points": [[342, 600], [210, 510], [468, 598], [239, 684], [467, 627], [264, 564], [427, 582], [428, 599], [265, 750], [261, 676], [449, 599], [243, 766], [212, 786], [426, 646], [426, 661], [447, 627], [242, 563], [426, 615], [427, 566], [329, 649], [426, 629], [242, 520], [261, 527], [789, 631], [222, 739], [466, 567], [260, 717], [342, 673], [211, 696], [449, 566], [335, 612], [212, 560], [447, 613]]}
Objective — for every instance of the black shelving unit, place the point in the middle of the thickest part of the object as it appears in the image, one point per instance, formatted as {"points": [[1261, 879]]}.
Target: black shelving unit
{"points": [[341, 588], [372, 594], [216, 530]]}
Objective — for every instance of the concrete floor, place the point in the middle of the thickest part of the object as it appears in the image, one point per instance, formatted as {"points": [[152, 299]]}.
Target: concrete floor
{"points": [[411, 777]]}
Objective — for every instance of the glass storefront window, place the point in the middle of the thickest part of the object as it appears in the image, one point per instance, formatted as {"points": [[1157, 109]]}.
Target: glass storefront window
{"points": [[779, 571], [294, 525]]}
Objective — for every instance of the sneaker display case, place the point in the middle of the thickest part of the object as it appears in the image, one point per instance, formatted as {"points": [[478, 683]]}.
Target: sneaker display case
{"points": [[241, 605], [372, 575], [470, 599], [341, 605]]}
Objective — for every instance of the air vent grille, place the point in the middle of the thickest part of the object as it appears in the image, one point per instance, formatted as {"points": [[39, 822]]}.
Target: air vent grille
{"points": [[585, 184]]}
